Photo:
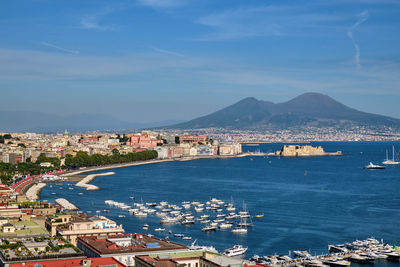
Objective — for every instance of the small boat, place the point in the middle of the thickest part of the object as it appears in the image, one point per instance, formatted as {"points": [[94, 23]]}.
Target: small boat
{"points": [[209, 228], [372, 166], [225, 225], [239, 230], [302, 254], [237, 250], [258, 216], [187, 238], [140, 214], [78, 193], [179, 235], [145, 227], [159, 229], [121, 216], [53, 193], [187, 222], [105, 211]]}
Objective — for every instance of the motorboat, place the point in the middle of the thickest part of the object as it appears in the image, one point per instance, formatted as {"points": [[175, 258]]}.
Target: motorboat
{"points": [[159, 229], [302, 254], [209, 228], [225, 226], [187, 222], [237, 250], [372, 166], [239, 230], [179, 235], [193, 246]]}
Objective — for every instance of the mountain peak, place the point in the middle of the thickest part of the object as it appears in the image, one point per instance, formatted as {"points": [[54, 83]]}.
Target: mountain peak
{"points": [[307, 109]]}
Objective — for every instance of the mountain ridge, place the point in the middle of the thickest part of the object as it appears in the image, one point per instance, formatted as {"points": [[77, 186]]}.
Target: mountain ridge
{"points": [[308, 109]]}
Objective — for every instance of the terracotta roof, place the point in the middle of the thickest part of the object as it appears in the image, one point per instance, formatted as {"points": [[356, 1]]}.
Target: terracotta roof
{"points": [[143, 243], [96, 262]]}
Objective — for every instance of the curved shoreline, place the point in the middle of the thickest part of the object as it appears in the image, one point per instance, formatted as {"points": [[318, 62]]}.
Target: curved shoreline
{"points": [[85, 181], [152, 161], [33, 192]]}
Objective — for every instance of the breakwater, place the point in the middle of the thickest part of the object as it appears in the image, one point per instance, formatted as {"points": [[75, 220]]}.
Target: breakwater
{"points": [[85, 181]]}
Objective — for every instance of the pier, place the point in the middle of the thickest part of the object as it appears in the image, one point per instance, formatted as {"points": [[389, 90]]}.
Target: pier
{"points": [[66, 204], [85, 181], [361, 252]]}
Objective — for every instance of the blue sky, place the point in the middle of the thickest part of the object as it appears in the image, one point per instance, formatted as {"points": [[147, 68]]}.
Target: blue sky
{"points": [[179, 59]]}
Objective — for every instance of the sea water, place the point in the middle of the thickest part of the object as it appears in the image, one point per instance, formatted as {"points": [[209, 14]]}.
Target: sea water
{"points": [[307, 202]]}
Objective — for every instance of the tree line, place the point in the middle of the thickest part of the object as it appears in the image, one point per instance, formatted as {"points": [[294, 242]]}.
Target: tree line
{"points": [[82, 159]]}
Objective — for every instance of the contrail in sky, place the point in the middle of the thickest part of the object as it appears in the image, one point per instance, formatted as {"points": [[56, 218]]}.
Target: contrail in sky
{"points": [[362, 17]]}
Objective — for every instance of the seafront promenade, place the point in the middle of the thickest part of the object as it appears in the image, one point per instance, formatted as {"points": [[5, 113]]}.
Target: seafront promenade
{"points": [[153, 161]]}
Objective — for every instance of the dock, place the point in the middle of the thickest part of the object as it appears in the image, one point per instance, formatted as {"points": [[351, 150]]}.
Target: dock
{"points": [[66, 204], [364, 252]]}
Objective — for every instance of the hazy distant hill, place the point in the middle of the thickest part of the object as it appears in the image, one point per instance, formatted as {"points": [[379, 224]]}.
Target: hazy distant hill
{"points": [[43, 122], [309, 109]]}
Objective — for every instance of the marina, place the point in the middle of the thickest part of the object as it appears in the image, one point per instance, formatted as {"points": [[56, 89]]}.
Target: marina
{"points": [[337, 201]]}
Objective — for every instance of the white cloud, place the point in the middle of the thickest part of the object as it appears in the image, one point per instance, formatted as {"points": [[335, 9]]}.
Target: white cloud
{"points": [[273, 20], [93, 23]]}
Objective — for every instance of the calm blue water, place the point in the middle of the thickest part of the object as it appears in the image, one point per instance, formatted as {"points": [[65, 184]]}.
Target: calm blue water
{"points": [[308, 203]]}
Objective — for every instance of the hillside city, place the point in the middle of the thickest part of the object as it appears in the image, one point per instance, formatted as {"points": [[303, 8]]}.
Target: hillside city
{"points": [[34, 231]]}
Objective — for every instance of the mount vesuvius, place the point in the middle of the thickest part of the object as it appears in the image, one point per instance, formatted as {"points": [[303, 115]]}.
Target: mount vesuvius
{"points": [[309, 109]]}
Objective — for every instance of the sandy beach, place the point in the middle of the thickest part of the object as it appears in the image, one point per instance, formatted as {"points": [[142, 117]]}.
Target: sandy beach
{"points": [[33, 192], [85, 181]]}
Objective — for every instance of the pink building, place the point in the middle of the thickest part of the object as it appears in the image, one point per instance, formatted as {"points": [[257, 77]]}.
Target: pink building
{"points": [[143, 141]]}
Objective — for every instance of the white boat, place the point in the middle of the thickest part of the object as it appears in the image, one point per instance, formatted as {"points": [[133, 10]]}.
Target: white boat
{"points": [[193, 246], [372, 166], [145, 227], [198, 209], [390, 161], [121, 216], [167, 220], [140, 214], [159, 229], [187, 238], [235, 251], [209, 228], [225, 226], [238, 230]]}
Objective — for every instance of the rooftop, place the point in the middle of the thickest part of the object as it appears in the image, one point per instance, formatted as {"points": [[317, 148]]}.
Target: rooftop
{"points": [[95, 262], [128, 243]]}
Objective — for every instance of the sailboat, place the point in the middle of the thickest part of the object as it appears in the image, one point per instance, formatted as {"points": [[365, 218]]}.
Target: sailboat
{"points": [[390, 161]]}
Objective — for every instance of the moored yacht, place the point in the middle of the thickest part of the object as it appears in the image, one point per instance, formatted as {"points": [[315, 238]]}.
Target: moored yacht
{"points": [[372, 166], [235, 251]]}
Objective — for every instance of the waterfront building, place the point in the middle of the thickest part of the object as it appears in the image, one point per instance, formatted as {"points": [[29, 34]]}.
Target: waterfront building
{"points": [[86, 262], [71, 227], [124, 247], [144, 140], [229, 149], [197, 258], [192, 138]]}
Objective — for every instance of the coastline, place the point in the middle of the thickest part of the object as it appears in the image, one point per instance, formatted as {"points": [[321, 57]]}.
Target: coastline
{"points": [[85, 181], [33, 192], [152, 161]]}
